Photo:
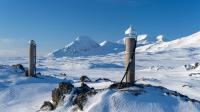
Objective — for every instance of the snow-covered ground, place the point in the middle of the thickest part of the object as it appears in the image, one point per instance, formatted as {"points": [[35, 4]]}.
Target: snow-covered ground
{"points": [[155, 65]]}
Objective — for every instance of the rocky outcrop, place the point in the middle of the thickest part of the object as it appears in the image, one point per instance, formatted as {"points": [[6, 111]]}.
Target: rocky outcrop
{"points": [[19, 66], [79, 95], [47, 106], [85, 79], [192, 66]]}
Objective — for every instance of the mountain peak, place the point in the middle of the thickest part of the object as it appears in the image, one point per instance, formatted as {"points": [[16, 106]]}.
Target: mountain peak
{"points": [[80, 46], [159, 39], [83, 42]]}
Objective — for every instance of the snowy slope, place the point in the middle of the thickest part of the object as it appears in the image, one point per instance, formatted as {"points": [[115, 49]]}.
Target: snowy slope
{"points": [[192, 41], [22, 94], [112, 46], [165, 70], [135, 99], [150, 99], [159, 64]]}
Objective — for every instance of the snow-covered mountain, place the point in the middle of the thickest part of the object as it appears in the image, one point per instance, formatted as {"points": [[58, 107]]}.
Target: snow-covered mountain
{"points": [[141, 40], [159, 39], [191, 41], [81, 46], [85, 46], [108, 45]]}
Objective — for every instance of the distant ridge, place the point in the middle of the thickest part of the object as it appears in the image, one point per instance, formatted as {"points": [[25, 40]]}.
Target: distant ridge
{"points": [[85, 46]]}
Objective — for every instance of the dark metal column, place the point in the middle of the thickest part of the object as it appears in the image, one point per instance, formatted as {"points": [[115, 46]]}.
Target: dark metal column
{"points": [[32, 58], [130, 59]]}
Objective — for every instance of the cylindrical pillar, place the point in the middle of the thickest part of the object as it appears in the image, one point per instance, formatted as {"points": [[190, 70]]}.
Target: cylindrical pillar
{"points": [[32, 58], [130, 59]]}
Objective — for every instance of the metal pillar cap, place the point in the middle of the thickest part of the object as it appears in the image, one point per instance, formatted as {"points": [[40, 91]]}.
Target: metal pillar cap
{"points": [[32, 42]]}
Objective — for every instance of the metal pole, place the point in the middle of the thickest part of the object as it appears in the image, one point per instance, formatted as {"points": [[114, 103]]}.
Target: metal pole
{"points": [[32, 58], [130, 59]]}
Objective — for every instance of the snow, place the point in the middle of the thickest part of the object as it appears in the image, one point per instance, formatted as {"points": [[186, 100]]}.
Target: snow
{"points": [[129, 31], [84, 46], [191, 41], [150, 100], [142, 39], [159, 38], [158, 64], [112, 46]]}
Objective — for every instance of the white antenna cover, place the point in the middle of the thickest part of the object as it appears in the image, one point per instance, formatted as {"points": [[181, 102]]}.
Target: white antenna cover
{"points": [[129, 31], [32, 42]]}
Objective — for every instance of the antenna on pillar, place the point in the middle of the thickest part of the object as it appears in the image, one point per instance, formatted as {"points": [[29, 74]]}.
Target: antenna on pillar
{"points": [[130, 42]]}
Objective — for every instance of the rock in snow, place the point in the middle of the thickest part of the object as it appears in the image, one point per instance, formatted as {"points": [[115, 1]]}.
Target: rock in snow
{"points": [[138, 98]]}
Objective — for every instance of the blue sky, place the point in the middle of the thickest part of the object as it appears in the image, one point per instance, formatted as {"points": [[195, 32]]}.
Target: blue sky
{"points": [[54, 23]]}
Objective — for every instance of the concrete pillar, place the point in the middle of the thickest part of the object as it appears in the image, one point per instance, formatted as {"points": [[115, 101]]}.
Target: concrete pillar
{"points": [[32, 58], [130, 57]]}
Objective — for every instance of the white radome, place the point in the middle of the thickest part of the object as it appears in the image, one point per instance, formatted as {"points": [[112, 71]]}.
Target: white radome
{"points": [[130, 32]]}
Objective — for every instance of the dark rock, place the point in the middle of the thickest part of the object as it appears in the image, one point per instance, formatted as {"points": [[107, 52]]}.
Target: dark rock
{"points": [[85, 79], [194, 74], [26, 73], [63, 74], [65, 87], [81, 99], [121, 85], [193, 100], [104, 79], [37, 74], [19, 66], [47, 105], [85, 88], [191, 66], [167, 93], [82, 89], [196, 65], [187, 86], [58, 93], [56, 96], [82, 93]]}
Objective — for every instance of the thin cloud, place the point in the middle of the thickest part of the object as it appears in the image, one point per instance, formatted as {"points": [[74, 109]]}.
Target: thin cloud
{"points": [[6, 41], [8, 47]]}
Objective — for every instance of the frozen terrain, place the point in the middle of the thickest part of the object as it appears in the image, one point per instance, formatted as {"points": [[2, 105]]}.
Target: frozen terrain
{"points": [[159, 64]]}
